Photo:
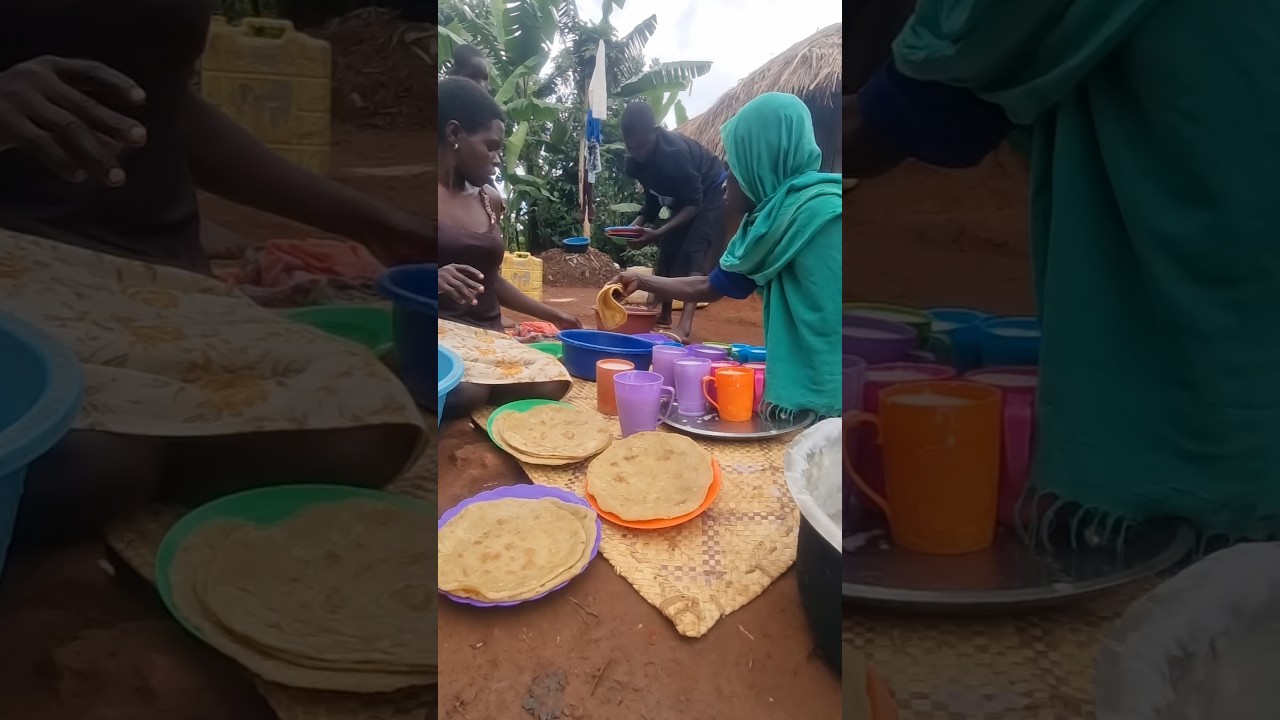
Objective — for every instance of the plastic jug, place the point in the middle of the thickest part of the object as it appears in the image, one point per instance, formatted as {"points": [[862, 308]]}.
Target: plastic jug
{"points": [[525, 272], [276, 82]]}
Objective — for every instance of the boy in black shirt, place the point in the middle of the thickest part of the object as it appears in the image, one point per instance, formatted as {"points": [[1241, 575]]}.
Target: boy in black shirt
{"points": [[684, 187]]}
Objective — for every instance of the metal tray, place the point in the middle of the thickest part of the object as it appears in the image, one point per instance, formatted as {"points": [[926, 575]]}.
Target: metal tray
{"points": [[1009, 575], [771, 421]]}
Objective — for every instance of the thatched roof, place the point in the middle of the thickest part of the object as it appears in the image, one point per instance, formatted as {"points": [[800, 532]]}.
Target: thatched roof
{"points": [[810, 69]]}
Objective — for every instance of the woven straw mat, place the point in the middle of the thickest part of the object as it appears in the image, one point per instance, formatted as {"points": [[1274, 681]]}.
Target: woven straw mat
{"points": [[702, 570], [1030, 666], [137, 540]]}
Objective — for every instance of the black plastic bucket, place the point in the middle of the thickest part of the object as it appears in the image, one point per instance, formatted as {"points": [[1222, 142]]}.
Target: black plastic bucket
{"points": [[818, 576]]}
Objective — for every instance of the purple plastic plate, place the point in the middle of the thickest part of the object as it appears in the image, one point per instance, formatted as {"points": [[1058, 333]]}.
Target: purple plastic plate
{"points": [[524, 492]]}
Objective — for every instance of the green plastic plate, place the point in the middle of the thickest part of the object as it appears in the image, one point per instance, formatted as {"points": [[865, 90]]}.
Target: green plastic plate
{"points": [[517, 406], [554, 349], [264, 507], [369, 326]]}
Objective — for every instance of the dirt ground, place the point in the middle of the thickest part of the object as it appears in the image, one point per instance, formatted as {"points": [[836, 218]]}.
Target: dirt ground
{"points": [[931, 238]]}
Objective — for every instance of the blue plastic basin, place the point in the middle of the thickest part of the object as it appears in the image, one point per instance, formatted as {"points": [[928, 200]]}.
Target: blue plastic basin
{"points": [[414, 292], [577, 244], [584, 348], [449, 375], [41, 391]]}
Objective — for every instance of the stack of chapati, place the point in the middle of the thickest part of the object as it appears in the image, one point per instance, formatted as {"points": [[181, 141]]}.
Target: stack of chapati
{"points": [[552, 434], [337, 597], [514, 549], [651, 476]]}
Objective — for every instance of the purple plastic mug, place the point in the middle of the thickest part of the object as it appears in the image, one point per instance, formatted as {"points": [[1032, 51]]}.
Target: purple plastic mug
{"points": [[640, 396], [709, 352], [664, 358], [689, 374]]}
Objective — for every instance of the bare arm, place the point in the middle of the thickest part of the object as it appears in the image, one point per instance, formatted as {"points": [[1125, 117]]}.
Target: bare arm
{"points": [[230, 162], [696, 288]]}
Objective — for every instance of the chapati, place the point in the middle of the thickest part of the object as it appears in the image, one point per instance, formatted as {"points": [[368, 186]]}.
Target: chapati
{"points": [[514, 548], [188, 577], [555, 431], [650, 476], [346, 584]]}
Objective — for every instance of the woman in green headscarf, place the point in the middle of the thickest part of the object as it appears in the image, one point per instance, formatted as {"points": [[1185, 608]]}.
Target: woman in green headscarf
{"points": [[785, 219], [1153, 128]]}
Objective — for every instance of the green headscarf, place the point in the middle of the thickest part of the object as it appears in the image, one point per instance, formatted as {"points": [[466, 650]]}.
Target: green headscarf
{"points": [[791, 246]]}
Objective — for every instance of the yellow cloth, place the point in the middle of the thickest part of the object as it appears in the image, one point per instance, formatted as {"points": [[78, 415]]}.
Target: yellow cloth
{"points": [[612, 314]]}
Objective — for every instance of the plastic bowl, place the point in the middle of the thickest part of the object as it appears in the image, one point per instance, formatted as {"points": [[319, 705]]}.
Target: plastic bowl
{"points": [[449, 374], [577, 244], [371, 327], [554, 349], [584, 348], [414, 292], [41, 391]]}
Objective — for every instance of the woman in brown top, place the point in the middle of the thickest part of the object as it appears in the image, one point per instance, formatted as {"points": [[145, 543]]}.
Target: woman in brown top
{"points": [[191, 390], [472, 289]]}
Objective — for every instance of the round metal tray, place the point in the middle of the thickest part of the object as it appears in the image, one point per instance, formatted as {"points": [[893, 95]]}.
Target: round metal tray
{"points": [[1009, 575], [769, 422]]}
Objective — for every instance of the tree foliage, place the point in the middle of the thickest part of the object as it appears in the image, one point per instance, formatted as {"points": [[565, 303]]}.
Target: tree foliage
{"points": [[542, 54]]}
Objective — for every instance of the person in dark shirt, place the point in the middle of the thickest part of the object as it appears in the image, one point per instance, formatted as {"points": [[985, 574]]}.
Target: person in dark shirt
{"points": [[786, 245], [683, 210]]}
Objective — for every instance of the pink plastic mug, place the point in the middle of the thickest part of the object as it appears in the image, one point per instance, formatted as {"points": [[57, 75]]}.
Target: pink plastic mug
{"points": [[1018, 386], [759, 368]]}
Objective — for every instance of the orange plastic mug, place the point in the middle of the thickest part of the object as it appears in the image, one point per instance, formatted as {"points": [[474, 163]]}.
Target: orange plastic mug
{"points": [[942, 464], [735, 396], [606, 399]]}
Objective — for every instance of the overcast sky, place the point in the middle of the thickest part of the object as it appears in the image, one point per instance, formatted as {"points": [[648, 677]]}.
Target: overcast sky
{"points": [[737, 36]]}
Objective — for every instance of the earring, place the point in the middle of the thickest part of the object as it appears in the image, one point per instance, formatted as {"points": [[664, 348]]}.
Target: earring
{"points": [[455, 146]]}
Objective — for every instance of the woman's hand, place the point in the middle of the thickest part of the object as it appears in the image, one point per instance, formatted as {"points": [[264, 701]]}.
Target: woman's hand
{"points": [[564, 321], [50, 108], [461, 283], [629, 281], [648, 236]]}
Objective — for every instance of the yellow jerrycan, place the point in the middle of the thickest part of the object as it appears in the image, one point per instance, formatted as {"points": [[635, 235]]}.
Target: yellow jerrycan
{"points": [[276, 82], [525, 272]]}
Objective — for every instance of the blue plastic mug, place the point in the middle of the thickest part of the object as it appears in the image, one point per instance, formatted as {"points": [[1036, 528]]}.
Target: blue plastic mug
{"points": [[1010, 341], [963, 327]]}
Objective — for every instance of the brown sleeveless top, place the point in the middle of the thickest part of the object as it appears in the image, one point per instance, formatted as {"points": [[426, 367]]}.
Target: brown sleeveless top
{"points": [[155, 215], [483, 251]]}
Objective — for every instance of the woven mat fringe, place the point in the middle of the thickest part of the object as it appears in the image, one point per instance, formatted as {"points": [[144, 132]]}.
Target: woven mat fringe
{"points": [[1036, 665], [701, 571], [136, 539]]}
